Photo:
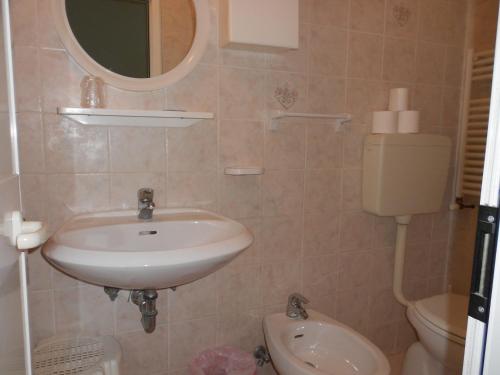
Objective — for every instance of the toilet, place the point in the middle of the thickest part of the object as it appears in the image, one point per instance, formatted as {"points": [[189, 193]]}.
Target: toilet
{"points": [[441, 324], [405, 175]]}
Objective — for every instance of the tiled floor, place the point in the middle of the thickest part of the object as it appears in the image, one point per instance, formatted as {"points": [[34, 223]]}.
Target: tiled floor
{"points": [[396, 362]]}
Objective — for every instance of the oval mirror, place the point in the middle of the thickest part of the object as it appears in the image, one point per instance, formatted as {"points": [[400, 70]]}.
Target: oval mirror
{"points": [[134, 44]]}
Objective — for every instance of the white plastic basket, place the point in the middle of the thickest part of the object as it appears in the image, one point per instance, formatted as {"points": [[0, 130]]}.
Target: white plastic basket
{"points": [[77, 356]]}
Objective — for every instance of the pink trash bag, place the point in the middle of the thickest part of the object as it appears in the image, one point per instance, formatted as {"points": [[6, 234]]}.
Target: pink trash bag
{"points": [[223, 361]]}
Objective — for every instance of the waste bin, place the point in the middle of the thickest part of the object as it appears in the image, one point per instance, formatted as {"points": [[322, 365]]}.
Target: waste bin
{"points": [[223, 361]]}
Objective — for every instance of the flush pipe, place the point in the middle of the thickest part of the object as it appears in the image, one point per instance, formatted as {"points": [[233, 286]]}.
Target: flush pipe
{"points": [[399, 262]]}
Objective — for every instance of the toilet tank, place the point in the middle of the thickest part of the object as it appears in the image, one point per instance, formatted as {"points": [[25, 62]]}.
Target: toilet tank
{"points": [[405, 174]]}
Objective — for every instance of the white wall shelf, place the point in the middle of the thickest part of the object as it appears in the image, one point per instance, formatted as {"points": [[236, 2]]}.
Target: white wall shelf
{"points": [[136, 118], [243, 171], [340, 118]]}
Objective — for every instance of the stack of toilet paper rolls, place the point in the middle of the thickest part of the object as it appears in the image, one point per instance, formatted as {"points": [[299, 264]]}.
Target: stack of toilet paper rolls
{"points": [[398, 119]]}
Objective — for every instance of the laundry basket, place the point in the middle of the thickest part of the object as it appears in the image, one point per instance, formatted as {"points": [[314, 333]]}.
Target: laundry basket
{"points": [[77, 356]]}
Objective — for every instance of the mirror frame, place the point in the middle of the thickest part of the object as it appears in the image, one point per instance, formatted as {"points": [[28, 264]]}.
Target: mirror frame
{"points": [[83, 59]]}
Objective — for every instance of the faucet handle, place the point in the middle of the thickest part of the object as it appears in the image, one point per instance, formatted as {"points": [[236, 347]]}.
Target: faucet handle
{"points": [[145, 194], [297, 299]]}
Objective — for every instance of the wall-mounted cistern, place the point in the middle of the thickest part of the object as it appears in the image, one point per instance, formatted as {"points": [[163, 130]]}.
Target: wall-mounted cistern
{"points": [[145, 203]]}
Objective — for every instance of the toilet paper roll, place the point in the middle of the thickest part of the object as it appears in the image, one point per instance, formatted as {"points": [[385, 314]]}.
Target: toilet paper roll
{"points": [[385, 122], [408, 121], [398, 99]]}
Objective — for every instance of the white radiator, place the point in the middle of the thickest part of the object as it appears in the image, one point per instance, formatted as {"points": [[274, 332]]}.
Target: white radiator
{"points": [[474, 126]]}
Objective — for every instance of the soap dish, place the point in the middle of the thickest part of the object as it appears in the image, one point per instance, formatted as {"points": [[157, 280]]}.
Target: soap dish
{"points": [[243, 171]]}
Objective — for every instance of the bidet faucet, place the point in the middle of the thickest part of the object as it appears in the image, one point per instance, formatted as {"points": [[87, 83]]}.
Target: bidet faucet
{"points": [[145, 203], [295, 308]]}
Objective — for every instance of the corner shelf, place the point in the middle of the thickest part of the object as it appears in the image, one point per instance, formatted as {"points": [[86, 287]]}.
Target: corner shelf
{"points": [[135, 118]]}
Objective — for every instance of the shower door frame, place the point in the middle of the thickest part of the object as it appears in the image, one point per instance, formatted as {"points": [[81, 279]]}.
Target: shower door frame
{"points": [[484, 337]]}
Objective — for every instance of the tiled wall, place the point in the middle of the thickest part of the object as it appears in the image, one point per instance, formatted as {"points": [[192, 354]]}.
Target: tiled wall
{"points": [[305, 211]]}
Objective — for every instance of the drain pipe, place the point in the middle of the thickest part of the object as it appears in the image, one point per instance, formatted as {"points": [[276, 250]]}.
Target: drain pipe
{"points": [[399, 262], [146, 300]]}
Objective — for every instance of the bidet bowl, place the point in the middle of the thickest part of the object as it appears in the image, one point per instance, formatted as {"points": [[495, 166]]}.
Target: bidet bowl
{"points": [[320, 345], [116, 249]]}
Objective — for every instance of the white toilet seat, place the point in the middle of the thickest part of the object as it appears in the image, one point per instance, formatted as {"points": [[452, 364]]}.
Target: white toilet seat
{"points": [[445, 314], [440, 322]]}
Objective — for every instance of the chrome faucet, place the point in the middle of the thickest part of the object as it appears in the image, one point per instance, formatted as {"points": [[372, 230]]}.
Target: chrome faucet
{"points": [[295, 308], [145, 203]]}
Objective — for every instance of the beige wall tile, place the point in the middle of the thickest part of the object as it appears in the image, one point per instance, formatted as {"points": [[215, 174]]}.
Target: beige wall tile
{"points": [[356, 231], [384, 234], [279, 280], [399, 60], [244, 59], [147, 351], [60, 80], [401, 17], [321, 234], [69, 194], [324, 146], [242, 329], [47, 33], [24, 22], [239, 288], [355, 270], [121, 99], [433, 24], [240, 196], [241, 143], [197, 92], [329, 12], [194, 148], [428, 100], [240, 94], [294, 83], [192, 189], [194, 300], [40, 272], [41, 315], [285, 146], [364, 97], [72, 148], [351, 189], [320, 283], [453, 66], [189, 338], [323, 191], [365, 56], [137, 149], [326, 94], [353, 308], [30, 140], [282, 192], [368, 15], [430, 63], [28, 79], [281, 238], [328, 51]]}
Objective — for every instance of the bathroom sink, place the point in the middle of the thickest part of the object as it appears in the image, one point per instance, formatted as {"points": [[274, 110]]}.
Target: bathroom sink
{"points": [[116, 249], [320, 345]]}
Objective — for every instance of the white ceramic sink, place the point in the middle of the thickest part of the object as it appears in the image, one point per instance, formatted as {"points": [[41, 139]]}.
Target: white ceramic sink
{"points": [[320, 345], [116, 249]]}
